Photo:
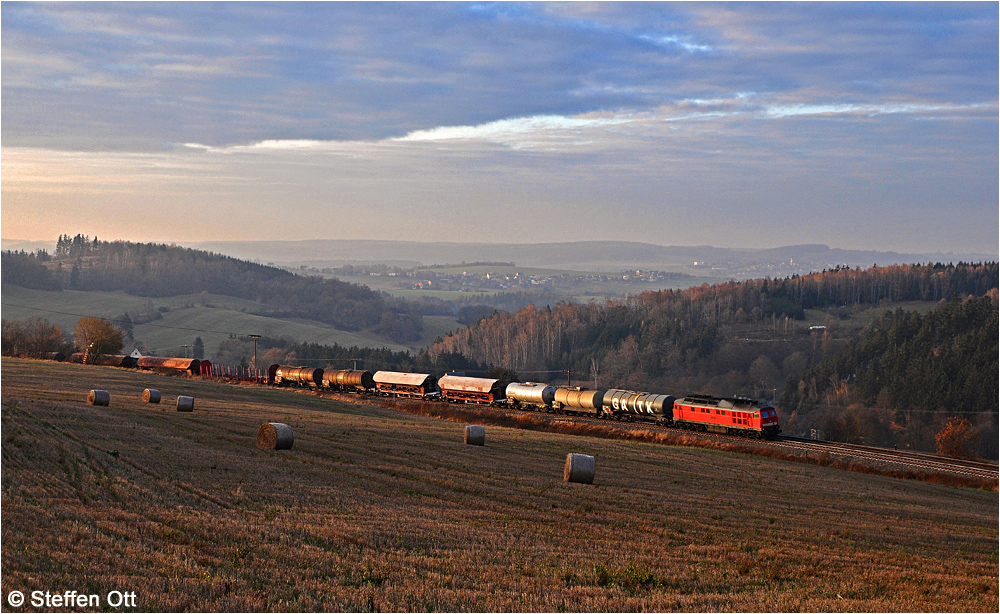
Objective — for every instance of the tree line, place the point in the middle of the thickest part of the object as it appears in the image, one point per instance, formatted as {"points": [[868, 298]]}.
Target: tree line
{"points": [[238, 350], [158, 270], [36, 337]]}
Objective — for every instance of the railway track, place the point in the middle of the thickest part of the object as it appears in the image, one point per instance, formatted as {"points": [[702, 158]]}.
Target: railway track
{"points": [[900, 458], [906, 459]]}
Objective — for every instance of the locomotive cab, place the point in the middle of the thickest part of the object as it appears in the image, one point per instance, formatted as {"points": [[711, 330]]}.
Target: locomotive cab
{"points": [[769, 421]]}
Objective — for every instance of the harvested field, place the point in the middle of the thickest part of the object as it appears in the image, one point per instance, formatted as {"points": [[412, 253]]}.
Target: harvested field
{"points": [[375, 509]]}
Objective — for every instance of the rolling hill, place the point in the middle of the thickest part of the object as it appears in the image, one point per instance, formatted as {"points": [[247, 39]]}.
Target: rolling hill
{"points": [[173, 295], [214, 318]]}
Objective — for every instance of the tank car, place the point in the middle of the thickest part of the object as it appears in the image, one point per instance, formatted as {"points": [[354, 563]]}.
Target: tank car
{"points": [[461, 389], [303, 376], [396, 384], [645, 405], [732, 415], [579, 400], [348, 380], [114, 360], [531, 394]]}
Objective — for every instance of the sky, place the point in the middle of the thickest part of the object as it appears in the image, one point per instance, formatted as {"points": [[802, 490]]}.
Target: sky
{"points": [[861, 126]]}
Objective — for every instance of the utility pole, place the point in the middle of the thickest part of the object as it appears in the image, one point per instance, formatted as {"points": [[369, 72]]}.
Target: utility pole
{"points": [[185, 350], [255, 338]]}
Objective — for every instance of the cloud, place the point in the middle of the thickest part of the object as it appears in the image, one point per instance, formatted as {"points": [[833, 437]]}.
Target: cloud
{"points": [[678, 114], [520, 132], [149, 75], [673, 40]]}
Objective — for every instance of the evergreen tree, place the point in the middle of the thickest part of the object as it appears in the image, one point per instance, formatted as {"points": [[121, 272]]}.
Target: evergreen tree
{"points": [[74, 275]]}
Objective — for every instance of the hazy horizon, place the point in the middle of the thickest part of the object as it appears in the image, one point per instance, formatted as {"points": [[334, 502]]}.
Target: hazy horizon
{"points": [[861, 127]]}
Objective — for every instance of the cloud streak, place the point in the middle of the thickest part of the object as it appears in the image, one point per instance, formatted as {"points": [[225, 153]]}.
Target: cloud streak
{"points": [[568, 133]]}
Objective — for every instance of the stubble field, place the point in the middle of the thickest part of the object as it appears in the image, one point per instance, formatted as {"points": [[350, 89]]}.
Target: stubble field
{"points": [[375, 509]]}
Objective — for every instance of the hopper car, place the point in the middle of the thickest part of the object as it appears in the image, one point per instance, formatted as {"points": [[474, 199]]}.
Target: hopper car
{"points": [[157, 363], [461, 389], [414, 385]]}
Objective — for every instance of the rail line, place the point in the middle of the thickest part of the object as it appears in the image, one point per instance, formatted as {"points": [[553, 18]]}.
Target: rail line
{"points": [[902, 458], [908, 458]]}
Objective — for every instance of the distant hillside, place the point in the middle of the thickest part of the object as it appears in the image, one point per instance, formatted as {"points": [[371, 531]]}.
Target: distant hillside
{"points": [[576, 256], [156, 270]]}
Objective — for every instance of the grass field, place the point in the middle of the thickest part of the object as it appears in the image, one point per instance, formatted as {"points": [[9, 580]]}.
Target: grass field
{"points": [[862, 317], [375, 509], [190, 317]]}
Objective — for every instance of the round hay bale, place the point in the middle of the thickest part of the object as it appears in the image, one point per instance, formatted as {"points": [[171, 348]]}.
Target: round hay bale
{"points": [[475, 435], [99, 397], [275, 436], [185, 403], [579, 468], [150, 396]]}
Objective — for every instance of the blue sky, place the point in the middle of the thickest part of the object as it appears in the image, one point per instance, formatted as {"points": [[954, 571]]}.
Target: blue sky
{"points": [[869, 126]]}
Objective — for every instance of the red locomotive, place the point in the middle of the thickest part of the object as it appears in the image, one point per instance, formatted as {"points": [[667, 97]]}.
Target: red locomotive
{"points": [[733, 416]]}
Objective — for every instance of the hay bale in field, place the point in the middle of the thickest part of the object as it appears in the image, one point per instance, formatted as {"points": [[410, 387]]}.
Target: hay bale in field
{"points": [[185, 403], [99, 397], [275, 436], [150, 396], [579, 468], [475, 435]]}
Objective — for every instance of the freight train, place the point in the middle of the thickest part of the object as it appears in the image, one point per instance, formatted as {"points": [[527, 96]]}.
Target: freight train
{"points": [[728, 415]]}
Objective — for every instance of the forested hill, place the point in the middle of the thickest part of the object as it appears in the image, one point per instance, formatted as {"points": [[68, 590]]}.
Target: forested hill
{"points": [[676, 333], [913, 368], [156, 270], [747, 337]]}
